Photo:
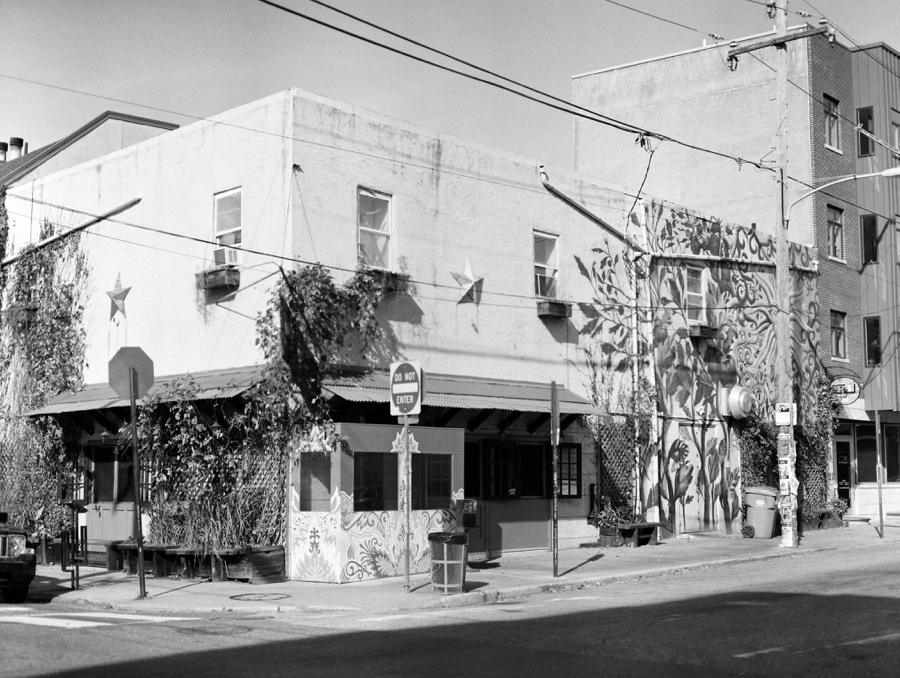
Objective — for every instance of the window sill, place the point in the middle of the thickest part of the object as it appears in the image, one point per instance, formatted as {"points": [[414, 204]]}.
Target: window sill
{"points": [[840, 360], [837, 260], [834, 150]]}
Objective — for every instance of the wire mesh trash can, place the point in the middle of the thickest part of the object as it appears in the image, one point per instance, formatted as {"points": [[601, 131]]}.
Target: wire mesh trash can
{"points": [[449, 553], [760, 503]]}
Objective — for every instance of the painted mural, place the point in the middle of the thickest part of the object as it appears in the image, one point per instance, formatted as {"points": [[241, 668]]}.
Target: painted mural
{"points": [[341, 546], [705, 313]]}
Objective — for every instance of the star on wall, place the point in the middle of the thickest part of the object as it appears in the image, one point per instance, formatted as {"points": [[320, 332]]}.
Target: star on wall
{"points": [[117, 298], [469, 284]]}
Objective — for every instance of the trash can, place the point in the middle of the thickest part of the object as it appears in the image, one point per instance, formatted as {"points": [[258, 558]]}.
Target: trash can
{"points": [[449, 553], [760, 502]]}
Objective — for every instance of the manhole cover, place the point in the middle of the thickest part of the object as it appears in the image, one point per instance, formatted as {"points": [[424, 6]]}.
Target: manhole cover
{"points": [[215, 630], [260, 596]]}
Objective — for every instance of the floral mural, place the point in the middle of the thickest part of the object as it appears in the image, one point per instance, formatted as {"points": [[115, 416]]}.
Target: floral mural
{"points": [[706, 317]]}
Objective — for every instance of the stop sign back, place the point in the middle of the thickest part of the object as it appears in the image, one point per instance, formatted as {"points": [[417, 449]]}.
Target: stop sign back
{"points": [[407, 388], [120, 371]]}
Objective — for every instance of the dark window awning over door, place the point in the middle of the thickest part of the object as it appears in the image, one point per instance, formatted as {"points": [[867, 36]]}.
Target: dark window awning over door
{"points": [[474, 393]]}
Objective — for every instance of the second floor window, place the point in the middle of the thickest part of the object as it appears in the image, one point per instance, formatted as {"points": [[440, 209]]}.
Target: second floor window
{"points": [[374, 210], [866, 121], [546, 266], [228, 226], [873, 341], [831, 109], [835, 232], [838, 335], [868, 225], [694, 296]]}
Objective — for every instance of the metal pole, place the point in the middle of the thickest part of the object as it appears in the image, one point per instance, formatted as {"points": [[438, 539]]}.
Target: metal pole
{"points": [[554, 443], [786, 449], [136, 462], [879, 470], [407, 500]]}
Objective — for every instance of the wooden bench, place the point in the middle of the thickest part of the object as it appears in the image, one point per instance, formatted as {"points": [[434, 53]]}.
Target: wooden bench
{"points": [[639, 534], [155, 553]]}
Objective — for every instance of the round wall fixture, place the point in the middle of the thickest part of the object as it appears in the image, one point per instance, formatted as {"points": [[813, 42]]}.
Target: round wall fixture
{"points": [[740, 402]]}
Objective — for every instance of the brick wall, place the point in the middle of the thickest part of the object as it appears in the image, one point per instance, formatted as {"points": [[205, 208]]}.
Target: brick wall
{"points": [[830, 72]]}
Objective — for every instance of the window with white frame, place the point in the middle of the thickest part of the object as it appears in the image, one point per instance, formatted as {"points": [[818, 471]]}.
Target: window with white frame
{"points": [[546, 265], [895, 141], [838, 335], [228, 226], [831, 110], [694, 295], [865, 118], [374, 216], [835, 218]]}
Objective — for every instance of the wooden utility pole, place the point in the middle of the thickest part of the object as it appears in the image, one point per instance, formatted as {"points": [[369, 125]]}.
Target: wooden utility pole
{"points": [[787, 453]]}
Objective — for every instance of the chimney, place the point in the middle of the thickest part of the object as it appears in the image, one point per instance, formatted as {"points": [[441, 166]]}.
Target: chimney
{"points": [[15, 148], [4, 147]]}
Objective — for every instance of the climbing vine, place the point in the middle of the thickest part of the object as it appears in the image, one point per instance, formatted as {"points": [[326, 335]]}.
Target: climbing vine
{"points": [[42, 349], [217, 469]]}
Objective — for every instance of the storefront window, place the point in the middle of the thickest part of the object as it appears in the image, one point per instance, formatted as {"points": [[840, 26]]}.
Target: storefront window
{"points": [[431, 481], [892, 453], [866, 457], [374, 481]]}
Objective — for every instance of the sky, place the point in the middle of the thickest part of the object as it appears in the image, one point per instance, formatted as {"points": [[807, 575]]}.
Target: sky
{"points": [[64, 62]]}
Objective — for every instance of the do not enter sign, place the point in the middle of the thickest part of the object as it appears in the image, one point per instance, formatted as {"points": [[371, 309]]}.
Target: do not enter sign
{"points": [[407, 388]]}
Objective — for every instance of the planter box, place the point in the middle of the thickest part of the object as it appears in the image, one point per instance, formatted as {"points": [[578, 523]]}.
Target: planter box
{"points": [[223, 278], [255, 564], [609, 537], [554, 309], [638, 534]]}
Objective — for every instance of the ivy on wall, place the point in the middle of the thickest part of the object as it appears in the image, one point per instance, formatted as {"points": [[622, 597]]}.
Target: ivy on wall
{"points": [[217, 470], [42, 350]]}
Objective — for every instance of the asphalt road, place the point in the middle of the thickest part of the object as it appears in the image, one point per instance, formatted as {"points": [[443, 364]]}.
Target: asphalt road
{"points": [[835, 613]]}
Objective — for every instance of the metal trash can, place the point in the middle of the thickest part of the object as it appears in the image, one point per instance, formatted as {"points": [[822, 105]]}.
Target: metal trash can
{"points": [[760, 502], [449, 554]]}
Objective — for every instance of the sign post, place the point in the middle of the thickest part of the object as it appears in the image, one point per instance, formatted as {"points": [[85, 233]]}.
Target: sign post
{"points": [[131, 376], [407, 389], [554, 443]]}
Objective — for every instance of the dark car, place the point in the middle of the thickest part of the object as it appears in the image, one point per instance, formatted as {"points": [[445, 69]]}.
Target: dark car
{"points": [[17, 561]]}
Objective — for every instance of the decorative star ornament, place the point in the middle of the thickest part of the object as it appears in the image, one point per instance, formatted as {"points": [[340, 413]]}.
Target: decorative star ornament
{"points": [[470, 286], [117, 298]]}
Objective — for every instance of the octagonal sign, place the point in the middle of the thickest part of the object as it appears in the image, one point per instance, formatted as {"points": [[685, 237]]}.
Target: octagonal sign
{"points": [[120, 371]]}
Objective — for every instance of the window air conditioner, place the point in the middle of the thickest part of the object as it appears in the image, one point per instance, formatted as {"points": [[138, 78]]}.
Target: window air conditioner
{"points": [[225, 256]]}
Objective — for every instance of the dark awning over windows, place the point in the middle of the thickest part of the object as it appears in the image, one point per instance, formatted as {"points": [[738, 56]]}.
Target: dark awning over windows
{"points": [[211, 384], [474, 393]]}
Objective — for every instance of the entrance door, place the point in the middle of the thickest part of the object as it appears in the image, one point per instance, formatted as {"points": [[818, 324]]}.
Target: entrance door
{"points": [[110, 494], [843, 468]]}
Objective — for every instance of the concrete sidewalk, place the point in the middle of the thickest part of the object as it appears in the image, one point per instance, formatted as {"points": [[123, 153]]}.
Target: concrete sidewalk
{"points": [[513, 575]]}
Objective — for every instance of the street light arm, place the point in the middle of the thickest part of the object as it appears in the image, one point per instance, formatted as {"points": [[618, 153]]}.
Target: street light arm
{"points": [[893, 172]]}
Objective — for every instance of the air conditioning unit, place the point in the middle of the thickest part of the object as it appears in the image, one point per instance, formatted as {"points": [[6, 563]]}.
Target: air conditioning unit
{"points": [[226, 256]]}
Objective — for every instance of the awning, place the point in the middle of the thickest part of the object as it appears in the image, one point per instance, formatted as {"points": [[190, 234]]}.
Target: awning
{"points": [[211, 384], [472, 393]]}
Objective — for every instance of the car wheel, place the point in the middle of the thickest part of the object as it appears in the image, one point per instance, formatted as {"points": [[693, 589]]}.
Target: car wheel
{"points": [[16, 595]]}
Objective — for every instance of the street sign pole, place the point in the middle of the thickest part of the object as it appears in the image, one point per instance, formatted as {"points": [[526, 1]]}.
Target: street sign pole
{"points": [[554, 443], [136, 464], [407, 500]]}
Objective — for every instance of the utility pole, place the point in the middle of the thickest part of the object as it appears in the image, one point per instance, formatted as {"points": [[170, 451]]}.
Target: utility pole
{"points": [[787, 453]]}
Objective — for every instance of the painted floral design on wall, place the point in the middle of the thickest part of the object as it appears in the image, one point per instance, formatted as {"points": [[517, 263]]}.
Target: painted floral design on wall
{"points": [[694, 479]]}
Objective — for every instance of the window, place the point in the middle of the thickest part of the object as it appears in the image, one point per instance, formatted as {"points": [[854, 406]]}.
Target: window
{"points": [[103, 476], [517, 471], [569, 470], [831, 109], [838, 335], [532, 470], [374, 228], [866, 454], [873, 341], [835, 219], [868, 226], [503, 472], [430, 481], [694, 296], [866, 121], [228, 225], [895, 141], [546, 268], [374, 481]]}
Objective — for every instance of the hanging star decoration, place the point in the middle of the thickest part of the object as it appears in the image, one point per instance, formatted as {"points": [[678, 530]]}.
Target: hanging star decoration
{"points": [[469, 284], [117, 298]]}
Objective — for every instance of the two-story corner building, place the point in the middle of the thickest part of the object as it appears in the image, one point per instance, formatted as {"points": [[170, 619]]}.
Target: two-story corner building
{"points": [[491, 310], [833, 91]]}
